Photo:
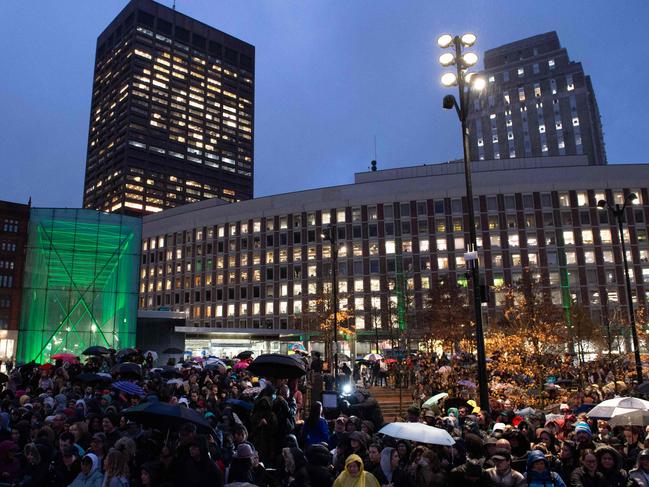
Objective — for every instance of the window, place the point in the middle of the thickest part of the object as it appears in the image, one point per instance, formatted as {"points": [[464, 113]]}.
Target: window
{"points": [[521, 72], [551, 63], [568, 237]]}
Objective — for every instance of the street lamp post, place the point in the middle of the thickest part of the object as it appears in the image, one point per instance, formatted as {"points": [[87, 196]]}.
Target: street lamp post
{"points": [[330, 235], [465, 82], [618, 212]]}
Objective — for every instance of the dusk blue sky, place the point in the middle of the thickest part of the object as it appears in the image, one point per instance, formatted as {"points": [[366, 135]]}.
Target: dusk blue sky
{"points": [[330, 76]]}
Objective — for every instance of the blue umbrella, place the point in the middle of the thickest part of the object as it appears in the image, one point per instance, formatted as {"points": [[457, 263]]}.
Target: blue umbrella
{"points": [[128, 388], [238, 402], [466, 383]]}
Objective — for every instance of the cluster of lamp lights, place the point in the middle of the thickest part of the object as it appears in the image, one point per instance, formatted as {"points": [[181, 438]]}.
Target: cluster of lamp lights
{"points": [[463, 61]]}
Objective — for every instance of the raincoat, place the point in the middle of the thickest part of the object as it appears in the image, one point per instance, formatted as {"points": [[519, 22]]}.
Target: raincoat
{"points": [[363, 479]]}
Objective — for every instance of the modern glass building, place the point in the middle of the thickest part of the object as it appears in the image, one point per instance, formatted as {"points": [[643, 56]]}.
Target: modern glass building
{"points": [[80, 283]]}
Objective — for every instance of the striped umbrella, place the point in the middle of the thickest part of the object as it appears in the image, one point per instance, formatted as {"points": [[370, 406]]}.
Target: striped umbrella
{"points": [[128, 388]]}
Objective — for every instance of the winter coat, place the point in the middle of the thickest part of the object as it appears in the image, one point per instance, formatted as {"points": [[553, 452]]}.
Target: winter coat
{"points": [[511, 479], [545, 479], [617, 476], [94, 479], [581, 478]]}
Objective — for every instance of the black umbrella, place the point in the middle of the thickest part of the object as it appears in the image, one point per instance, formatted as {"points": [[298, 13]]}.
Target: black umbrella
{"points": [[169, 372], [162, 415], [126, 352], [277, 366], [3, 378], [92, 377], [128, 369], [245, 355], [96, 350], [172, 350]]}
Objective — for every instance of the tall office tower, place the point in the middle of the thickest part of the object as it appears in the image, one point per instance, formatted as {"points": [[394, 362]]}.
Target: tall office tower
{"points": [[537, 103], [172, 113]]}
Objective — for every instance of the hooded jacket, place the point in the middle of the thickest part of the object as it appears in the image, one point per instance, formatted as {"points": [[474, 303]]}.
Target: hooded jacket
{"points": [[94, 479], [547, 478], [363, 479], [617, 476]]}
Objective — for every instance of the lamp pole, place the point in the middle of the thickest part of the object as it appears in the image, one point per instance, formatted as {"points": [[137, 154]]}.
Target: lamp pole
{"points": [[464, 83], [618, 212], [332, 237]]}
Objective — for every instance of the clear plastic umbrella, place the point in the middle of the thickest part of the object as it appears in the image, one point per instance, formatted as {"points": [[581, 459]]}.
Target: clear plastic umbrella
{"points": [[419, 432], [617, 407]]}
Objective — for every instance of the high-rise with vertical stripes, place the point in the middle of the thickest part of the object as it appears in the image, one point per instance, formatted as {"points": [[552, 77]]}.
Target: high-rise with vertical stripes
{"points": [[172, 113]]}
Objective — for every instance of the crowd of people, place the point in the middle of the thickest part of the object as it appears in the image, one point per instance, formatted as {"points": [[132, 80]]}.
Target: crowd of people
{"points": [[70, 424]]}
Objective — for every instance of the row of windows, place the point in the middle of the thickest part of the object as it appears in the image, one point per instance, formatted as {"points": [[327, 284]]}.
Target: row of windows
{"points": [[5, 301], [6, 281], [10, 226], [6, 264], [7, 246]]}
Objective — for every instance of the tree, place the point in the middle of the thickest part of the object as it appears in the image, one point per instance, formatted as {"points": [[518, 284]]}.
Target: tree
{"points": [[448, 314]]}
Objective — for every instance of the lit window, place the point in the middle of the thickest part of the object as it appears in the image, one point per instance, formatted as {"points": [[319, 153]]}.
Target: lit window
{"points": [[442, 263], [521, 72], [575, 121], [542, 128], [551, 63], [521, 94], [569, 83], [568, 237], [558, 125]]}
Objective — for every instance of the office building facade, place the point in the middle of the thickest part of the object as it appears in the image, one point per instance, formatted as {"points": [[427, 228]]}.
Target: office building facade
{"points": [[14, 219], [172, 113], [537, 103], [259, 269]]}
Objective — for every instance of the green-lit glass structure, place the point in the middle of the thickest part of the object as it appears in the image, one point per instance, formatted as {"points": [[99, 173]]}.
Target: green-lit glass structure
{"points": [[80, 286]]}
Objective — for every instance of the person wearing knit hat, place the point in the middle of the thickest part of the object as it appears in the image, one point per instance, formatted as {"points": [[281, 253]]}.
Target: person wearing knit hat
{"points": [[582, 428]]}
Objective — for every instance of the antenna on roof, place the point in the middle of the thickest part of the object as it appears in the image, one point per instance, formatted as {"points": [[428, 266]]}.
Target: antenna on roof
{"points": [[174, 5], [373, 163]]}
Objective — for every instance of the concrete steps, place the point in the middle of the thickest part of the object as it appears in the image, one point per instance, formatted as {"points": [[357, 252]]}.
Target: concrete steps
{"points": [[388, 399]]}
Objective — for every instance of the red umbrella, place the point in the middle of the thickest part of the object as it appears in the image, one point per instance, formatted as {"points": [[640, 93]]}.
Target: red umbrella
{"points": [[45, 367], [390, 361], [66, 357]]}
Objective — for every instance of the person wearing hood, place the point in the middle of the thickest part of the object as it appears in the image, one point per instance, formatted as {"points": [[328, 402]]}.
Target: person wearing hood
{"points": [[318, 467], [471, 474], [9, 464], [198, 468], [90, 475], [609, 463], [640, 474], [538, 472], [383, 472], [294, 467], [354, 475], [36, 456], [587, 475]]}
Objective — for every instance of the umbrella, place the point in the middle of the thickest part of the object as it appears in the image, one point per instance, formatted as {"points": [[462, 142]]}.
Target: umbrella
{"points": [[246, 354], [251, 391], [362, 361], [129, 388], [419, 432], [390, 361], [172, 350], [175, 382], [3, 378], [128, 369], [92, 377], [153, 354], [466, 383], [241, 365], [125, 352], [169, 372], [373, 357], [618, 406], [47, 366], [96, 350], [525, 412], [215, 361], [155, 413], [66, 357], [444, 369], [636, 418], [277, 366], [431, 401], [239, 403], [342, 357]]}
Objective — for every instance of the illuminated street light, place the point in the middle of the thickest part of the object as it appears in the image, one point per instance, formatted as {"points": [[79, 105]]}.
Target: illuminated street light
{"points": [[466, 84], [618, 212], [447, 59]]}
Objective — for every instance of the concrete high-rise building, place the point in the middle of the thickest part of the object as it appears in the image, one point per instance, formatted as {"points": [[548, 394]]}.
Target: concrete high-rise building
{"points": [[172, 113], [537, 103]]}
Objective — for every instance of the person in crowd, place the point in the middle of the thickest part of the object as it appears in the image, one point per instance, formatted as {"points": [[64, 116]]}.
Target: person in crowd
{"points": [[315, 429], [587, 475], [640, 474], [609, 464], [538, 472], [354, 474], [90, 475], [502, 474], [116, 469]]}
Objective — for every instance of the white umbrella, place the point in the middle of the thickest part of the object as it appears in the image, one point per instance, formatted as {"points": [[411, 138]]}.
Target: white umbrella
{"points": [[175, 382], [618, 406], [373, 357], [636, 418], [153, 354], [419, 432]]}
